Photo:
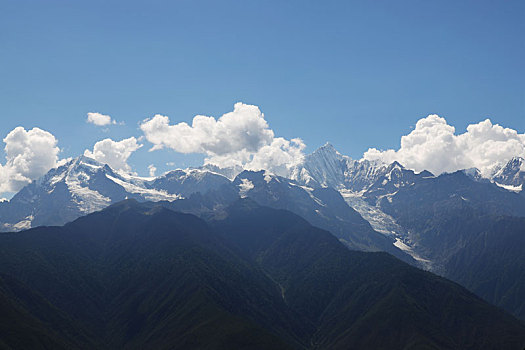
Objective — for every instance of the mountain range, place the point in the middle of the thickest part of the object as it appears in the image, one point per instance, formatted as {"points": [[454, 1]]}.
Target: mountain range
{"points": [[456, 225]]}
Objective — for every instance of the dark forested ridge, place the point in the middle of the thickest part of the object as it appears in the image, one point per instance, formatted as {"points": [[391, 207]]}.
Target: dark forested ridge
{"points": [[141, 276]]}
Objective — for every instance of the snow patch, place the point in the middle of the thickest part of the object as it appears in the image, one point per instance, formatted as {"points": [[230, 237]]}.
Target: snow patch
{"points": [[148, 194], [309, 190], [244, 187], [510, 187], [410, 250], [87, 199], [24, 224], [57, 178], [385, 224]]}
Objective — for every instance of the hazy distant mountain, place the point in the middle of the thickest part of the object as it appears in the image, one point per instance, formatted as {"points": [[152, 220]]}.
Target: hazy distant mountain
{"points": [[140, 276]]}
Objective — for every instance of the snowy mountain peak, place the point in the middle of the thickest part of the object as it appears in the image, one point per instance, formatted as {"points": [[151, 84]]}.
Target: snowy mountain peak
{"points": [[474, 174], [511, 175], [323, 168], [327, 148], [84, 163], [86, 160], [83, 185], [326, 167], [395, 166], [328, 154], [230, 172], [515, 164], [182, 175]]}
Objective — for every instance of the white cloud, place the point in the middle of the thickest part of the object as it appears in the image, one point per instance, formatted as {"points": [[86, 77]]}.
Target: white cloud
{"points": [[29, 155], [99, 119], [434, 146], [238, 138], [278, 156], [114, 153], [152, 170]]}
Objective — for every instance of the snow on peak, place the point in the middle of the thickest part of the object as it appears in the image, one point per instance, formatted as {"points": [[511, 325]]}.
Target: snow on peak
{"points": [[324, 167], [244, 187], [473, 173], [395, 166], [511, 174], [78, 177]]}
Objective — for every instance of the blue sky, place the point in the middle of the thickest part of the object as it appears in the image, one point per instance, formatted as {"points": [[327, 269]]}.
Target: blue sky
{"points": [[359, 74]]}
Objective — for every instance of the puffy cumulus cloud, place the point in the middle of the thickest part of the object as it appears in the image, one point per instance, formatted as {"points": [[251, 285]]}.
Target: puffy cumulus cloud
{"points": [[243, 129], [433, 145], [114, 153], [29, 155], [278, 156], [241, 138], [99, 119]]}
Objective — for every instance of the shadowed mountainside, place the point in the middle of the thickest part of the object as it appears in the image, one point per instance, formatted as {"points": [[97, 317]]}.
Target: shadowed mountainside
{"points": [[142, 276]]}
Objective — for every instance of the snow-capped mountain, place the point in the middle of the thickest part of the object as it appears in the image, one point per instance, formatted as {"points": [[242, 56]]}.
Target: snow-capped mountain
{"points": [[362, 184], [378, 191], [229, 172], [475, 175], [394, 177], [509, 175], [317, 190], [185, 182], [326, 167], [512, 175], [84, 185]]}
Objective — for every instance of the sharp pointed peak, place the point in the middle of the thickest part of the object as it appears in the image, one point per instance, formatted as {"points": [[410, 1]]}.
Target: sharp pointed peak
{"points": [[471, 171], [516, 160], [83, 159], [327, 147], [327, 150], [396, 164]]}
